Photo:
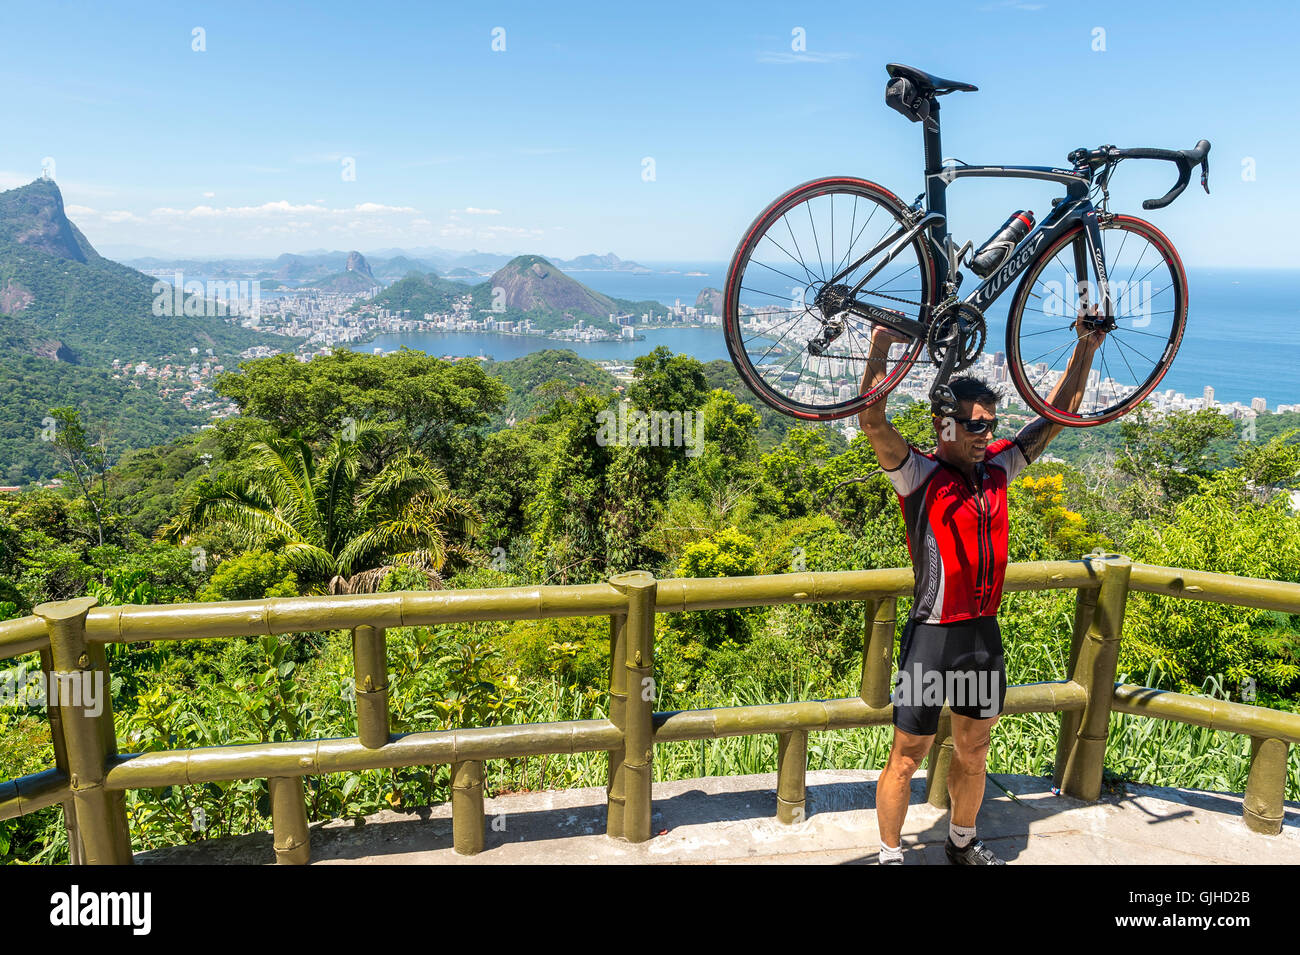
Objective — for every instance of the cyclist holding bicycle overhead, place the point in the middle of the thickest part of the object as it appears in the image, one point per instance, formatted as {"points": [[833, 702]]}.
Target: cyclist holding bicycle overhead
{"points": [[954, 503]]}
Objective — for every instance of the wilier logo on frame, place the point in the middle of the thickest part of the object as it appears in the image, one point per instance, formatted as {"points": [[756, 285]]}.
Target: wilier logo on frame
{"points": [[921, 686], [659, 429]]}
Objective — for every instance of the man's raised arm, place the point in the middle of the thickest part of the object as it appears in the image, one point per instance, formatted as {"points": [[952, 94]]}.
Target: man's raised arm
{"points": [[1034, 437], [890, 447]]}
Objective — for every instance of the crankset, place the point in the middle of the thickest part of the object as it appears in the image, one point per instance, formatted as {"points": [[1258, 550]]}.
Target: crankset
{"points": [[967, 322]]}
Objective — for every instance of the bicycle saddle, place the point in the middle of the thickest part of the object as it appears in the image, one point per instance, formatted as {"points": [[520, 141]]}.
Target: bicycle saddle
{"points": [[928, 83]]}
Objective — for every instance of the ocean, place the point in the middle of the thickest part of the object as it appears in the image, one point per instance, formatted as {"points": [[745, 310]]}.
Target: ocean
{"points": [[1242, 335]]}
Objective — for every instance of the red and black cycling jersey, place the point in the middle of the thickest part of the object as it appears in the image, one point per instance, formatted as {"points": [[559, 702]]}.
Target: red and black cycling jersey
{"points": [[957, 530]]}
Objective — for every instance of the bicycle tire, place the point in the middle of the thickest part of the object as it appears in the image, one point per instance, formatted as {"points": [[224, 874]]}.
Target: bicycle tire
{"points": [[758, 230], [1177, 285]]}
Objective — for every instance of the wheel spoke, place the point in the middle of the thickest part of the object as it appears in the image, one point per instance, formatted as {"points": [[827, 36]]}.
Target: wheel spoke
{"points": [[769, 337], [795, 243], [796, 261], [778, 272], [1119, 343]]}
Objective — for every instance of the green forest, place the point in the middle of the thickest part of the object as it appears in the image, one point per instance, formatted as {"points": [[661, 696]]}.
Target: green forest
{"points": [[364, 473]]}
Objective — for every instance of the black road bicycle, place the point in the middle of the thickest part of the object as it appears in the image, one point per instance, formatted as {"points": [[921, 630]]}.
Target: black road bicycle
{"points": [[834, 257]]}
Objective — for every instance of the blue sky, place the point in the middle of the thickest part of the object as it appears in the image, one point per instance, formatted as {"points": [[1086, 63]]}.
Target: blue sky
{"points": [[240, 148]]}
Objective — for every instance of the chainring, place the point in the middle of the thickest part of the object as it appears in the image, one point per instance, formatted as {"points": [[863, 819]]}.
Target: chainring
{"points": [[971, 333]]}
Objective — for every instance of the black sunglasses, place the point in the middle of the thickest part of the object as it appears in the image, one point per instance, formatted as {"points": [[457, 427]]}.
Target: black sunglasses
{"points": [[978, 425]]}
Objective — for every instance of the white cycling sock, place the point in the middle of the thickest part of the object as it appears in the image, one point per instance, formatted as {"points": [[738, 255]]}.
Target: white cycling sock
{"points": [[961, 836], [887, 854]]}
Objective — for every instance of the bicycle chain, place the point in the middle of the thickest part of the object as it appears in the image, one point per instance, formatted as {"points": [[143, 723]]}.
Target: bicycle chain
{"points": [[892, 298]]}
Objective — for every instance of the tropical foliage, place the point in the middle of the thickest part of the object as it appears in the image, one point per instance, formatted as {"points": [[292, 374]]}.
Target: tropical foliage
{"points": [[357, 472]]}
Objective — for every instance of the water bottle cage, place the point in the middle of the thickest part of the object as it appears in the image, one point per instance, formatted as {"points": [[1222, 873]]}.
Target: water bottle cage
{"points": [[1006, 249]]}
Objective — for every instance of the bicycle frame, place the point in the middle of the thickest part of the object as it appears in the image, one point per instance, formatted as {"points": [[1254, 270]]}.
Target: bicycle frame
{"points": [[931, 220], [1074, 208]]}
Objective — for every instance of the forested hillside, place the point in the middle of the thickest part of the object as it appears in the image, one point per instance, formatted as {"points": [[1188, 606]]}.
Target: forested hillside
{"points": [[358, 473]]}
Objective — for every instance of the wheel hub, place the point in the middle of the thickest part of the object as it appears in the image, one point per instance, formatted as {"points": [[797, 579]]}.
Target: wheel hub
{"points": [[830, 300]]}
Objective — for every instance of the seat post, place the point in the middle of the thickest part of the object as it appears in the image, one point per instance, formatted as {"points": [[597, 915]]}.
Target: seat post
{"points": [[935, 187]]}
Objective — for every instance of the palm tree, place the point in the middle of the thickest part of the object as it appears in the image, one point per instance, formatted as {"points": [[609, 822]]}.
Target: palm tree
{"points": [[332, 524]]}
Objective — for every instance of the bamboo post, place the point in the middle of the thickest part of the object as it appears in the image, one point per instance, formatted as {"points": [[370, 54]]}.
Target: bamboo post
{"points": [[878, 651], [617, 716], [936, 764], [108, 732], [81, 689], [1261, 809], [791, 776], [638, 731], [1085, 755], [467, 820], [370, 672], [75, 854], [289, 820], [1085, 608]]}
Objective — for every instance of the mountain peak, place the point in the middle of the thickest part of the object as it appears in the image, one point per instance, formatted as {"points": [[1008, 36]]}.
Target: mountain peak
{"points": [[357, 263], [530, 281], [33, 215]]}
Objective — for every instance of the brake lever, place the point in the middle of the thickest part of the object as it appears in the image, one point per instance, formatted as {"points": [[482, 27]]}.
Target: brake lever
{"points": [[1205, 174]]}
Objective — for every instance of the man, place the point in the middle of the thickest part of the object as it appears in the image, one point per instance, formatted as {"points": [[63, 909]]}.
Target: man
{"points": [[954, 503]]}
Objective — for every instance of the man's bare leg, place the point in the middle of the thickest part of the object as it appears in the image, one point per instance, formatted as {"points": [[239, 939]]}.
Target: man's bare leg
{"points": [[893, 788], [968, 768]]}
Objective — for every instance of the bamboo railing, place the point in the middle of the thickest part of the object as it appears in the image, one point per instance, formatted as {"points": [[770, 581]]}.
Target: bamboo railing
{"points": [[90, 777]]}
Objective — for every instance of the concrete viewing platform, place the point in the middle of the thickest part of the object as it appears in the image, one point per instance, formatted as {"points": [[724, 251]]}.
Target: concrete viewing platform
{"points": [[731, 819]]}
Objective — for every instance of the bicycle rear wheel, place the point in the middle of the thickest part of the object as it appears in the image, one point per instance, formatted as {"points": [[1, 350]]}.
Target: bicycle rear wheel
{"points": [[786, 309], [1149, 306]]}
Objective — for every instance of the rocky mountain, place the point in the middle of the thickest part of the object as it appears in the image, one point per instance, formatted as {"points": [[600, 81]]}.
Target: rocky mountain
{"points": [[709, 301], [33, 217], [355, 277], [420, 293], [388, 265], [530, 282], [398, 267], [74, 304], [357, 263], [526, 287], [609, 262]]}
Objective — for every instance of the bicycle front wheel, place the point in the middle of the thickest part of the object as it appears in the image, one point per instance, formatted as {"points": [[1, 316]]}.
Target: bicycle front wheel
{"points": [[1148, 289], [803, 267]]}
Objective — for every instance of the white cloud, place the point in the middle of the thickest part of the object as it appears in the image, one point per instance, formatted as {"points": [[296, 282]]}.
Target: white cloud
{"points": [[376, 207], [114, 216], [281, 207], [472, 211]]}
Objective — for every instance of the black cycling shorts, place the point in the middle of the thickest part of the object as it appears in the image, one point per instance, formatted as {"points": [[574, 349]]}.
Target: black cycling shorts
{"points": [[960, 663]]}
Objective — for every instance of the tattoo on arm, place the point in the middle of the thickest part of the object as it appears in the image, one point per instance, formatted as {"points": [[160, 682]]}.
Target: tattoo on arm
{"points": [[1034, 437]]}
